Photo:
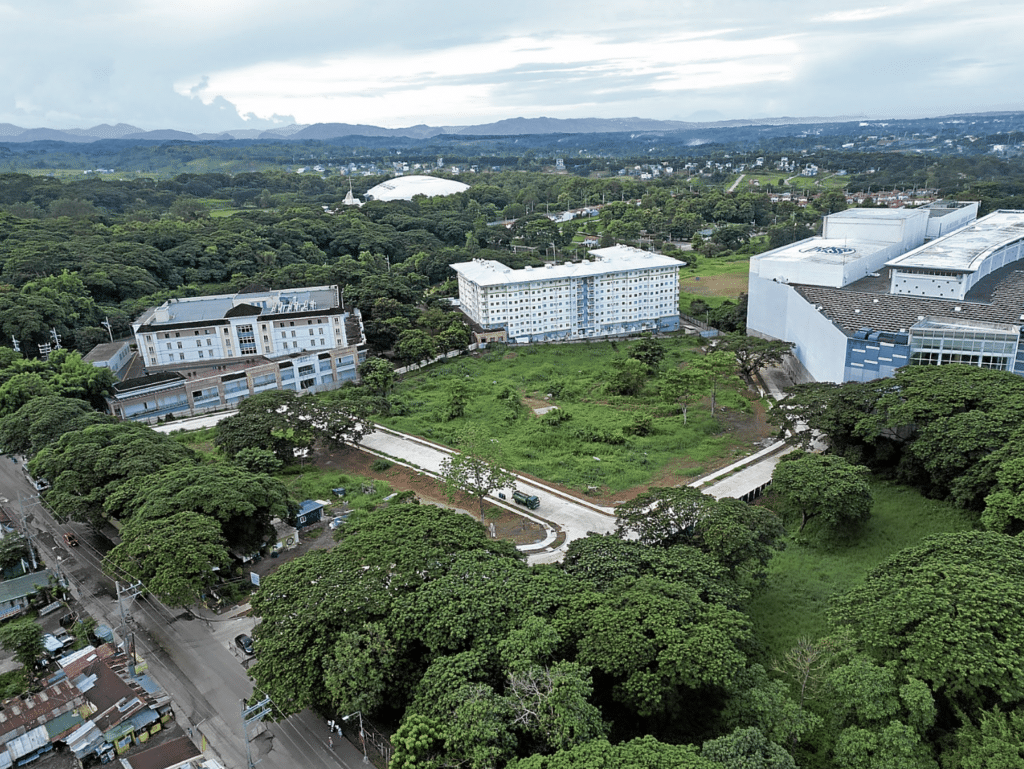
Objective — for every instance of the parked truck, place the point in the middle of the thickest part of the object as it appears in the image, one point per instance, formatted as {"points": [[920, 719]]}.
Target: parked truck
{"points": [[529, 500]]}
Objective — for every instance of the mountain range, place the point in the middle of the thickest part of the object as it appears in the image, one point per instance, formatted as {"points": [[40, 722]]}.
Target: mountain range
{"points": [[322, 131]]}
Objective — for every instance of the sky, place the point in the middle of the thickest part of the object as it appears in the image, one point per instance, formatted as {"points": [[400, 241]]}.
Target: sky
{"points": [[228, 64]]}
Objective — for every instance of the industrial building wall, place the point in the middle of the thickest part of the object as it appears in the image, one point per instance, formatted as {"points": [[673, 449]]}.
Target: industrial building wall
{"points": [[777, 311], [908, 231]]}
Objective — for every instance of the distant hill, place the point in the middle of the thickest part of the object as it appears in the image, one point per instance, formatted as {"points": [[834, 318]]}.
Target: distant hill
{"points": [[325, 131]]}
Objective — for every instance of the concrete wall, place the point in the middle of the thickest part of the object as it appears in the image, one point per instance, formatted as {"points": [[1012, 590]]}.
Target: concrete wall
{"points": [[777, 311], [908, 231]]}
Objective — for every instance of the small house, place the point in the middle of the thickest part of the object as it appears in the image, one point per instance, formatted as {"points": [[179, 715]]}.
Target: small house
{"points": [[310, 512]]}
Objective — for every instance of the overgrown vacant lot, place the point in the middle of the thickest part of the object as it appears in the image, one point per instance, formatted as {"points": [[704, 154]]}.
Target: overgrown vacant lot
{"points": [[804, 579], [595, 437]]}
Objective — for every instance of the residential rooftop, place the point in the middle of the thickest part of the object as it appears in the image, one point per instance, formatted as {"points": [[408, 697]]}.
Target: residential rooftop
{"points": [[205, 309], [487, 272]]}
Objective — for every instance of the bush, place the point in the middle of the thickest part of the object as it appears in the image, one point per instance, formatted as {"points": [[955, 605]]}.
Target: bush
{"points": [[380, 465]]}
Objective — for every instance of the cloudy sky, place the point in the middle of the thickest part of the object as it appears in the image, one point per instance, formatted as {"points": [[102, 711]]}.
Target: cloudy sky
{"points": [[224, 64]]}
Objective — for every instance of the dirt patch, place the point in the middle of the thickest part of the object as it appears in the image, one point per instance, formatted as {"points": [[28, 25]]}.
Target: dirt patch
{"points": [[715, 285], [507, 525]]}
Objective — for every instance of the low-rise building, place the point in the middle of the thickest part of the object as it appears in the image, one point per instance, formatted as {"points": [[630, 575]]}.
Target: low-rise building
{"points": [[208, 353]]}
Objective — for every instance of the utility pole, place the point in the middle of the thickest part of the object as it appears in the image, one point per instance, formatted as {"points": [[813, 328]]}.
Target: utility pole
{"points": [[132, 592], [254, 714], [362, 734], [28, 532]]}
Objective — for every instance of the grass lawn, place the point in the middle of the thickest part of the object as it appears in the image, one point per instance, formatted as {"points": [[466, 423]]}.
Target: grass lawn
{"points": [[594, 446], [803, 579]]}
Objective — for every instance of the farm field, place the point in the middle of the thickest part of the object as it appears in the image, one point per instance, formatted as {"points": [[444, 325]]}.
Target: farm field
{"points": [[591, 439]]}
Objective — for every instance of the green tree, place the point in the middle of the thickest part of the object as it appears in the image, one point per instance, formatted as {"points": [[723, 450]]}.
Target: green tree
{"points": [[456, 398], [475, 476], [305, 604], [87, 466], [824, 488], [24, 638], [641, 753], [13, 550], [945, 612], [629, 377], [747, 749], [683, 387], [242, 503], [414, 346], [379, 375], [648, 351], [754, 353], [552, 705], [663, 516], [42, 421], [996, 742], [177, 558], [659, 642], [716, 366]]}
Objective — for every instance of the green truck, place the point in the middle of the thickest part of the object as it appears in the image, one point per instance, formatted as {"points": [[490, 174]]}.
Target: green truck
{"points": [[529, 500]]}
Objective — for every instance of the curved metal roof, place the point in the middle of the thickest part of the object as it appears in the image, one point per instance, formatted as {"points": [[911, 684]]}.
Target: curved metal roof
{"points": [[404, 187]]}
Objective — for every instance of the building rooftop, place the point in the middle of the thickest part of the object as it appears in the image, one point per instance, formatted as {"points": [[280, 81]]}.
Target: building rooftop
{"points": [[106, 350], [204, 309], [487, 272], [965, 249], [824, 251], [851, 309], [877, 213], [19, 587], [405, 187]]}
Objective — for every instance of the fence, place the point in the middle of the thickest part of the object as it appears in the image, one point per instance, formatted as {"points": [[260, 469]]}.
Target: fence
{"points": [[372, 742]]}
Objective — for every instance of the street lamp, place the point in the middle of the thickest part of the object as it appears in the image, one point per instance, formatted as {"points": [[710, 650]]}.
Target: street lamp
{"points": [[362, 735]]}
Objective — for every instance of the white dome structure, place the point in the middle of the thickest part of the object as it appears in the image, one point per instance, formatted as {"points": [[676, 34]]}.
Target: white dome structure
{"points": [[404, 187]]}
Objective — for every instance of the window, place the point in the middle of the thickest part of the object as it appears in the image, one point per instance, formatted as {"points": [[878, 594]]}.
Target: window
{"points": [[246, 340]]}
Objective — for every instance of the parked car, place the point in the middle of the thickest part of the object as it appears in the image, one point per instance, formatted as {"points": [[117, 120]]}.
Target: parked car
{"points": [[70, 539], [244, 643]]}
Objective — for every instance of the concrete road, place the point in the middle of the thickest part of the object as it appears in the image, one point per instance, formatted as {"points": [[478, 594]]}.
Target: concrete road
{"points": [[194, 660], [573, 516]]}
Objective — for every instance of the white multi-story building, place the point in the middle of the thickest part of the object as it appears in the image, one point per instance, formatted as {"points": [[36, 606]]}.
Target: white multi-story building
{"points": [[621, 291], [197, 330], [210, 352]]}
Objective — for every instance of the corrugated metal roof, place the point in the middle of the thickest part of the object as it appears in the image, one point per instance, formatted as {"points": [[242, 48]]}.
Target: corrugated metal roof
{"points": [[20, 587], [66, 721], [28, 742]]}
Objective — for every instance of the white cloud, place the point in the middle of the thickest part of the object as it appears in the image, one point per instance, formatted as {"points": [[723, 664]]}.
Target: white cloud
{"points": [[75, 63], [477, 79]]}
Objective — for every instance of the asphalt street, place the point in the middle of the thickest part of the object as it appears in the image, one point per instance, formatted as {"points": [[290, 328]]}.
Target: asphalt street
{"points": [[194, 659]]}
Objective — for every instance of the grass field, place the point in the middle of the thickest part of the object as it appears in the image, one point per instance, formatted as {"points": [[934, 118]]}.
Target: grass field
{"points": [[594, 445], [804, 579]]}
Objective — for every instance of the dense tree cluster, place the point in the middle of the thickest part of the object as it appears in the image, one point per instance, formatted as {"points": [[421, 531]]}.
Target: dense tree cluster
{"points": [[953, 431], [420, 618]]}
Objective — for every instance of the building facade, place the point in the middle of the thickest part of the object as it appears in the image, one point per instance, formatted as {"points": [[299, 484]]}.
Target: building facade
{"points": [[620, 291], [192, 332], [208, 353], [954, 298]]}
